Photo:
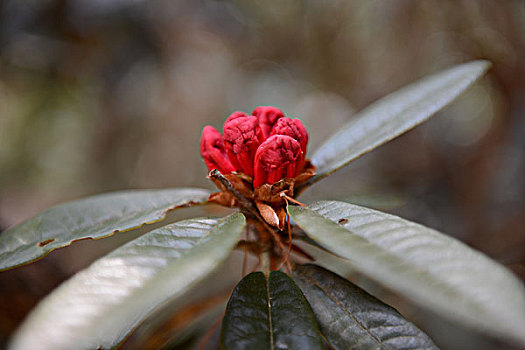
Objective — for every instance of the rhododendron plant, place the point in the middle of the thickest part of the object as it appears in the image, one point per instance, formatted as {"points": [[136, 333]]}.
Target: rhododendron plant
{"points": [[292, 299]]}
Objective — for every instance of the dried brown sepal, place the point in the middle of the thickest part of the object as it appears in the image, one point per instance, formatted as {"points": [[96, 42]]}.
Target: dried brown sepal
{"points": [[273, 215], [269, 199], [272, 193], [268, 213], [281, 214], [240, 181], [244, 177], [224, 198], [309, 171]]}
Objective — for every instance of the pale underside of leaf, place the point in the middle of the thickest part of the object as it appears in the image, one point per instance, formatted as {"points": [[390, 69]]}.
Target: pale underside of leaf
{"points": [[90, 218], [393, 115], [269, 313], [100, 305], [350, 318], [434, 270]]}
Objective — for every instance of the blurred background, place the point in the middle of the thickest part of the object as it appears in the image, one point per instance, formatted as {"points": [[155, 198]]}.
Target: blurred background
{"points": [[102, 95]]}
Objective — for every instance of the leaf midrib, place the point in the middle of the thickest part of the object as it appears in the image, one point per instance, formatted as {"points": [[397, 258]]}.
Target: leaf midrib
{"points": [[314, 282], [269, 300]]}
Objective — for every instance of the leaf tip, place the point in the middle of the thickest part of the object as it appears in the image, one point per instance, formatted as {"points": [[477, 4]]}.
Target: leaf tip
{"points": [[483, 65]]}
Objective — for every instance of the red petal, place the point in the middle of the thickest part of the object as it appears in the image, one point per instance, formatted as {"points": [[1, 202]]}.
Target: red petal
{"points": [[213, 152], [267, 116], [278, 157], [242, 137], [235, 115], [304, 133], [293, 128]]}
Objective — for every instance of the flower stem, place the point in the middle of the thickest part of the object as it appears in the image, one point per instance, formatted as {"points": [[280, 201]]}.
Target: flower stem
{"points": [[265, 263], [243, 201]]}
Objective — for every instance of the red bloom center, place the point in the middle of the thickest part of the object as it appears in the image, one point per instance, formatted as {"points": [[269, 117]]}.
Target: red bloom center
{"points": [[266, 145], [267, 116]]}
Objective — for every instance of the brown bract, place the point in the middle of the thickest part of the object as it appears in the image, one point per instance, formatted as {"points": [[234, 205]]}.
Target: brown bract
{"points": [[269, 199]]}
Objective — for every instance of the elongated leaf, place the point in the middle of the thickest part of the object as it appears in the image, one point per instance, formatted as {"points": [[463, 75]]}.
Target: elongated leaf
{"points": [[94, 217], [350, 318], [269, 314], [435, 270], [393, 115], [100, 305]]}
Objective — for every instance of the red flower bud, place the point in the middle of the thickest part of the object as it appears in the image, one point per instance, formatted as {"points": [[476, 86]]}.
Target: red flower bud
{"points": [[267, 116], [212, 151], [293, 128], [278, 157], [236, 115], [242, 136]]}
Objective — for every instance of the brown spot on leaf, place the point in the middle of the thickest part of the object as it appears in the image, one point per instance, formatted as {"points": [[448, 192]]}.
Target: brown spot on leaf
{"points": [[46, 242], [342, 221], [86, 238]]}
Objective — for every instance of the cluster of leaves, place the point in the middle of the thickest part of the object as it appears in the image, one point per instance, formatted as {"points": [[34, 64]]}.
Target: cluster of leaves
{"points": [[101, 305]]}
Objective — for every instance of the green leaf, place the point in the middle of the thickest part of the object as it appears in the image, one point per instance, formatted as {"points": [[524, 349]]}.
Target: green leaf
{"points": [[436, 271], [269, 314], [93, 217], [393, 115], [350, 318], [100, 305]]}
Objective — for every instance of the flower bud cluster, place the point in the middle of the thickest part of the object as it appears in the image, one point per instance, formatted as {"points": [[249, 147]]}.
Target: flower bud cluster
{"points": [[266, 146]]}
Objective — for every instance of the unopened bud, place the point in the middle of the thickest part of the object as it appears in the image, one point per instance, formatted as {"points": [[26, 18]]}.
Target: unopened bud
{"points": [[242, 137], [278, 157], [293, 128], [213, 152]]}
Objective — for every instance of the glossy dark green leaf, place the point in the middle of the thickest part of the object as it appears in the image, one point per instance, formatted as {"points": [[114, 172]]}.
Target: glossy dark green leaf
{"points": [[269, 314], [100, 305], [393, 115], [93, 217], [350, 318], [434, 270]]}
